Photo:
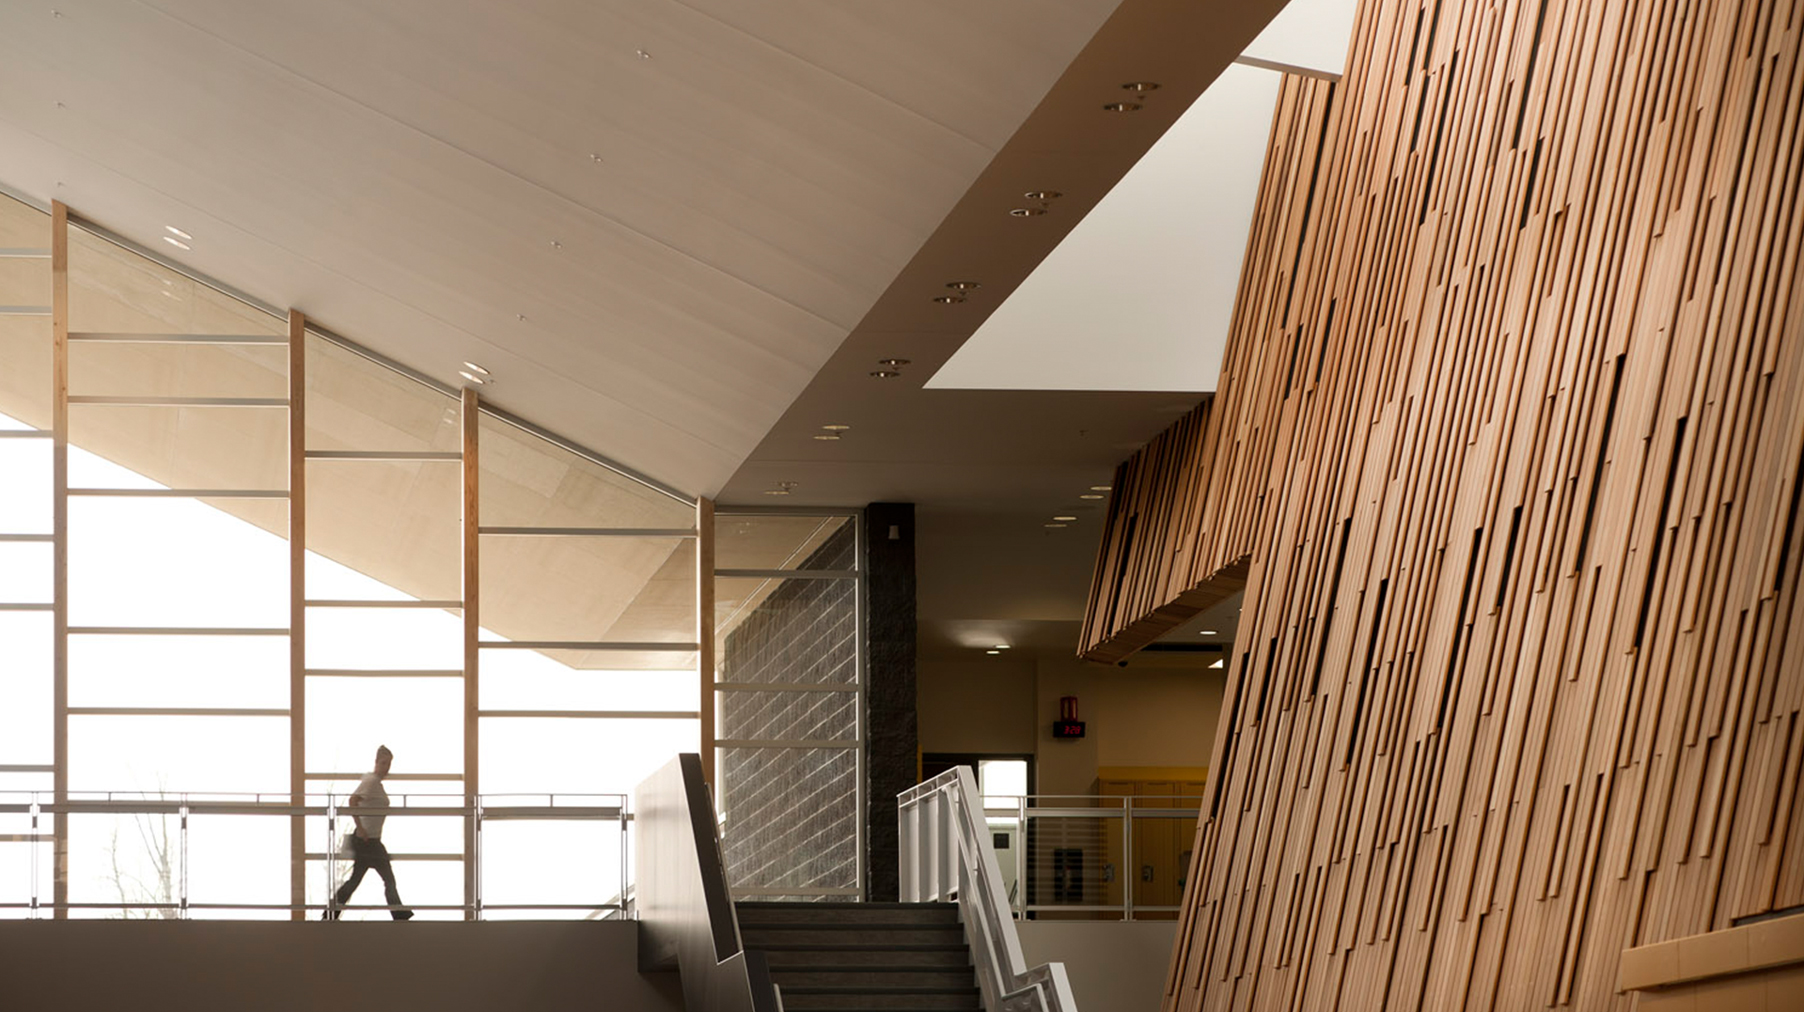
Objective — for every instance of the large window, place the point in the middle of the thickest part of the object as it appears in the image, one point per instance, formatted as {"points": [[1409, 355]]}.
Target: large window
{"points": [[788, 683], [224, 684]]}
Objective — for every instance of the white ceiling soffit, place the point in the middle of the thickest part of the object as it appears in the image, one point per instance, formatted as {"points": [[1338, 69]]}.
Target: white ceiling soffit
{"points": [[652, 221], [1307, 37], [1139, 295]]}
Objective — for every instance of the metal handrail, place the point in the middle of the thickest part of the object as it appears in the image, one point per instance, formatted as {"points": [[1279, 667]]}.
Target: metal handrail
{"points": [[945, 856], [40, 805], [1024, 809]]}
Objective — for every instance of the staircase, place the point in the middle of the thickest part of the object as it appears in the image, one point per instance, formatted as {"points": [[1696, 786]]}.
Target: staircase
{"points": [[863, 957]]}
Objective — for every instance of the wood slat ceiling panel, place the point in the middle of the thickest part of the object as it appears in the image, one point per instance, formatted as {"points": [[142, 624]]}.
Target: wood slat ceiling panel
{"points": [[400, 171]]}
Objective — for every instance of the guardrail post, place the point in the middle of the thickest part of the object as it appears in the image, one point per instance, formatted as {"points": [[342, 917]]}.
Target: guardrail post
{"points": [[1130, 869], [182, 887]]}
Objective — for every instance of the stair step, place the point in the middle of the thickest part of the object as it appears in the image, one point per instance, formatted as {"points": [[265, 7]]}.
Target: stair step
{"points": [[868, 998], [784, 956], [847, 913], [758, 936], [878, 977]]}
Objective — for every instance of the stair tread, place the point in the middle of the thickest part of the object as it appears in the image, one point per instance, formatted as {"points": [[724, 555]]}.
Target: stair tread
{"points": [[864, 968], [924, 925], [875, 989], [863, 946], [803, 905]]}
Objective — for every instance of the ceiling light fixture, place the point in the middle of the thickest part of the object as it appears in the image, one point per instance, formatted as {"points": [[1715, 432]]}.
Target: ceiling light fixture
{"points": [[1218, 664], [964, 286], [1140, 87], [1002, 646], [1042, 195], [642, 54], [177, 243], [782, 488], [1209, 632], [472, 377], [992, 652], [1065, 519], [884, 374], [556, 245], [1122, 107], [1057, 525], [178, 233], [1026, 212], [827, 437], [949, 300], [1091, 495], [837, 427], [1101, 488], [891, 363], [478, 370]]}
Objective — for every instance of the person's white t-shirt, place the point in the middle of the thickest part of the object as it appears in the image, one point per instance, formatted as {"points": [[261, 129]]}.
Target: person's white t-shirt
{"points": [[370, 792]]}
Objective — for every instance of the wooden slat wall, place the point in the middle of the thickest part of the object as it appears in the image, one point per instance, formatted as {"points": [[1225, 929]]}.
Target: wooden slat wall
{"points": [[1511, 436]]}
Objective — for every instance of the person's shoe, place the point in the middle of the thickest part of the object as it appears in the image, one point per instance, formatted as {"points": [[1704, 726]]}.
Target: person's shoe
{"points": [[403, 915]]}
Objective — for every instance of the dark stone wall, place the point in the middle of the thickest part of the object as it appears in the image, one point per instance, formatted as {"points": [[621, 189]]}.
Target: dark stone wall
{"points": [[791, 814], [891, 738]]}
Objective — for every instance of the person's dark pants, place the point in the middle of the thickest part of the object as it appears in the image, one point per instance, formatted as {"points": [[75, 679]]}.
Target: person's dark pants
{"points": [[367, 854]]}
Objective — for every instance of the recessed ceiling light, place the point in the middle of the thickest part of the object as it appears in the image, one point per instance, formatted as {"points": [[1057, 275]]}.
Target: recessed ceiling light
{"points": [[829, 437], [1140, 87], [642, 54], [949, 300], [892, 363], [178, 233], [1209, 632], [472, 377], [478, 370], [1057, 525], [1091, 495], [884, 374], [1027, 212], [837, 427], [963, 286], [1101, 488], [1042, 195], [1122, 107], [1218, 663], [1065, 519], [992, 651], [556, 245], [1002, 646], [177, 243]]}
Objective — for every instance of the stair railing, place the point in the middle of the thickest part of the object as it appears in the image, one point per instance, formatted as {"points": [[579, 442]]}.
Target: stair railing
{"points": [[686, 918], [946, 856]]}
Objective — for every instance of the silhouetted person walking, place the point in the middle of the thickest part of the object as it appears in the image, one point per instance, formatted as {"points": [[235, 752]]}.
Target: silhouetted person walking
{"points": [[367, 850]]}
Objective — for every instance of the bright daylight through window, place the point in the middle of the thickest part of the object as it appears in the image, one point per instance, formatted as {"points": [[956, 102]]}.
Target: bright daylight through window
{"points": [[190, 712]]}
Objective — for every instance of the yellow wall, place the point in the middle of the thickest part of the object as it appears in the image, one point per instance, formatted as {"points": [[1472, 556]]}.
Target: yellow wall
{"points": [[1159, 711]]}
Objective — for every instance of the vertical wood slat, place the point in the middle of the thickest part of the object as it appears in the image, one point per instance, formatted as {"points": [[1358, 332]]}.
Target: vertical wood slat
{"points": [[704, 629], [59, 427], [471, 637], [297, 607], [1541, 261]]}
